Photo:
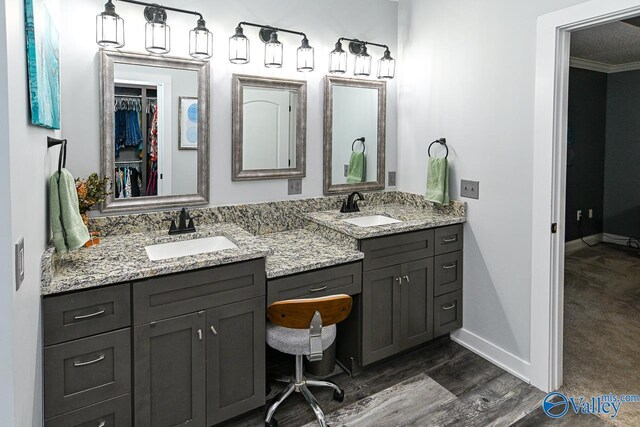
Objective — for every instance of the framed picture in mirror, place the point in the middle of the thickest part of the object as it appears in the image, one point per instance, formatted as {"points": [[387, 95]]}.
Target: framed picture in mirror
{"points": [[188, 123]]}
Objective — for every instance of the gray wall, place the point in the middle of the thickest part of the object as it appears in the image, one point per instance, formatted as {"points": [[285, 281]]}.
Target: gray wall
{"points": [[322, 21], [586, 151], [622, 164]]}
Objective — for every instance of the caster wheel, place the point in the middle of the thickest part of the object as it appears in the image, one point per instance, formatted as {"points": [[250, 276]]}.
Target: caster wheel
{"points": [[339, 396], [272, 423]]}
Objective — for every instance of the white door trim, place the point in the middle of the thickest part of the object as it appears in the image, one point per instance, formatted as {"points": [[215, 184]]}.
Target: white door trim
{"points": [[549, 177]]}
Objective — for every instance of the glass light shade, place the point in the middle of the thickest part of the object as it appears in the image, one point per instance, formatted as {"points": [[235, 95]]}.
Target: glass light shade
{"points": [[386, 66], [273, 52], [305, 56], [158, 36], [201, 42], [238, 48], [362, 65], [109, 27], [338, 61]]}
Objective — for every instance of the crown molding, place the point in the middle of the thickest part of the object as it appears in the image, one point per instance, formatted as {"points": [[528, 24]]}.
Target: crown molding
{"points": [[601, 67]]}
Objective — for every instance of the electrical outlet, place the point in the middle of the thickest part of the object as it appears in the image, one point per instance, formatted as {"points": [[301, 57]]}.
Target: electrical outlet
{"points": [[392, 178], [19, 260], [346, 170], [295, 187], [470, 189], [590, 213], [579, 215]]}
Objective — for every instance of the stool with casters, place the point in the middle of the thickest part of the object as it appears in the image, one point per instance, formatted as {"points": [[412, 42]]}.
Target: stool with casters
{"points": [[305, 327]]}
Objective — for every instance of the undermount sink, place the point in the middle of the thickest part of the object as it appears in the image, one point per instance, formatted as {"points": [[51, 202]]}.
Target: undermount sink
{"points": [[371, 221], [188, 247]]}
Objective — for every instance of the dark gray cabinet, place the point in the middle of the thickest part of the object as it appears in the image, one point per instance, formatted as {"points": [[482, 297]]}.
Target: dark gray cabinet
{"points": [[110, 413], [416, 317], [169, 374], [448, 313], [235, 359]]}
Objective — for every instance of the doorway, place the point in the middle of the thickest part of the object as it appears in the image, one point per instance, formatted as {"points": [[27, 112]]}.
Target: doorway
{"points": [[549, 189]]}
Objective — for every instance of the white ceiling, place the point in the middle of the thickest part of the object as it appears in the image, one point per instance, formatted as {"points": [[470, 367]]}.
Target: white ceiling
{"points": [[616, 43]]}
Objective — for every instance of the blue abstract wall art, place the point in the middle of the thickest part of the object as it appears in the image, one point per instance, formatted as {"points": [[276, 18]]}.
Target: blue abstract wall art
{"points": [[43, 55]]}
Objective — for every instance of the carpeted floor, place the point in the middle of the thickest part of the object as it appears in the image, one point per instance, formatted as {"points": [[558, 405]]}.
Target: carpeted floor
{"points": [[602, 325]]}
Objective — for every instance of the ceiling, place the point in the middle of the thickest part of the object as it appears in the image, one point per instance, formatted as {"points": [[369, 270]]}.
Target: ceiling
{"points": [[616, 43]]}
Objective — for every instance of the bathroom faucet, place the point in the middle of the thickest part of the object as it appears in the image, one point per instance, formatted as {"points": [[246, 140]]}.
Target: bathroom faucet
{"points": [[185, 223], [351, 205]]}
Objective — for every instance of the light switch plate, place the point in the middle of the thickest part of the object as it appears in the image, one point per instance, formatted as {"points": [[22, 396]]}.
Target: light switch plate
{"points": [[295, 187], [19, 260], [470, 189], [346, 170], [392, 179]]}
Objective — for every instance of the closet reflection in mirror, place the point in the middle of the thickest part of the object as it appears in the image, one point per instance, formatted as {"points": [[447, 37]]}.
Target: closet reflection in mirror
{"points": [[153, 138], [149, 135], [354, 135], [269, 128]]}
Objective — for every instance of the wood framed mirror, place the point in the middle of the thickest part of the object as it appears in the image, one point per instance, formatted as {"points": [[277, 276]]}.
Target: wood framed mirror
{"points": [[269, 128], [354, 135], [154, 130]]}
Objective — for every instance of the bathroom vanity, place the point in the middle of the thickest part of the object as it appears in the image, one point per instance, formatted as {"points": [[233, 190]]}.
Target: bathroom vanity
{"points": [[131, 341]]}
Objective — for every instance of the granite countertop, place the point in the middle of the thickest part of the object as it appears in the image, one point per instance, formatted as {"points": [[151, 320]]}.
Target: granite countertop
{"points": [[123, 258], [412, 219], [296, 251]]}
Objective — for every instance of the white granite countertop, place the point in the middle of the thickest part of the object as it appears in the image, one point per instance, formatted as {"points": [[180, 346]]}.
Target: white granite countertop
{"points": [[123, 258], [296, 251], [412, 219]]}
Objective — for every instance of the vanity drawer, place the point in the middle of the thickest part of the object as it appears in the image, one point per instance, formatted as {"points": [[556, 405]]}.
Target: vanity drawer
{"points": [[381, 252], [112, 413], [447, 315], [448, 239], [84, 313], [183, 293], [86, 371], [344, 279], [448, 273]]}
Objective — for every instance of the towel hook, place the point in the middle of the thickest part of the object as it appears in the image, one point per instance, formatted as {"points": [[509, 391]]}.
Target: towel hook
{"points": [[62, 159], [361, 139], [441, 141]]}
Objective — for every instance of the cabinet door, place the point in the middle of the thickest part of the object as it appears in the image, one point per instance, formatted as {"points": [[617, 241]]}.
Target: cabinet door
{"points": [[381, 314], [170, 372], [235, 359], [417, 303]]}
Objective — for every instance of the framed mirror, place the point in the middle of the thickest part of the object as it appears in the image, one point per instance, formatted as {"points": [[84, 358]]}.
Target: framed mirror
{"points": [[269, 128], [354, 135], [155, 131]]}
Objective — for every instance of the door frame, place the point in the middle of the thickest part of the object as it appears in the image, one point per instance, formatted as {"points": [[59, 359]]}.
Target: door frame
{"points": [[549, 177]]}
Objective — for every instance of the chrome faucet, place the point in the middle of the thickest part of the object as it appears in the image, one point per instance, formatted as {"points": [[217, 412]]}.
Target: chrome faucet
{"points": [[185, 223], [350, 204]]}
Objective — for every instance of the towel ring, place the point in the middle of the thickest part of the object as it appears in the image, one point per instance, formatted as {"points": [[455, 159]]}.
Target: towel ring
{"points": [[361, 139], [441, 141]]}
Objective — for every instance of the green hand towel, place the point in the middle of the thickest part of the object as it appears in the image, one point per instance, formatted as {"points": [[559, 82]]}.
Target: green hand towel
{"points": [[438, 181], [69, 232], [357, 171]]}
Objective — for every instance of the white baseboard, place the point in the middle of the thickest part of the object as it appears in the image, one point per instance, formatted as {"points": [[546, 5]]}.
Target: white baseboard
{"points": [[494, 354], [574, 245], [614, 238]]}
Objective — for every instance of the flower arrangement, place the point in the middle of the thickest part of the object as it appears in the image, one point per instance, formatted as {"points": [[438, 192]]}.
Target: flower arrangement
{"points": [[91, 191]]}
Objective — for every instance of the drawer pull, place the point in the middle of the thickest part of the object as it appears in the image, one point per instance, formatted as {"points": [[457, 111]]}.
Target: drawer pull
{"points": [[449, 267], [200, 334], [450, 239], [87, 316], [214, 330], [450, 307], [318, 289], [102, 423], [90, 362]]}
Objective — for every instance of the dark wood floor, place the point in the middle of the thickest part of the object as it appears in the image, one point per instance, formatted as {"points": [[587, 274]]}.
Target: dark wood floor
{"points": [[439, 384]]}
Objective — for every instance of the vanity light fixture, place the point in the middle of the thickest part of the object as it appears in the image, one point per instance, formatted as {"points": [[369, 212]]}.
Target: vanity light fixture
{"points": [[273, 48], [362, 64], [110, 30], [109, 27]]}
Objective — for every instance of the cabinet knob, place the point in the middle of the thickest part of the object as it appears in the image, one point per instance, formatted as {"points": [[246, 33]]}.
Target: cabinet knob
{"points": [[407, 279], [214, 330], [399, 280]]}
